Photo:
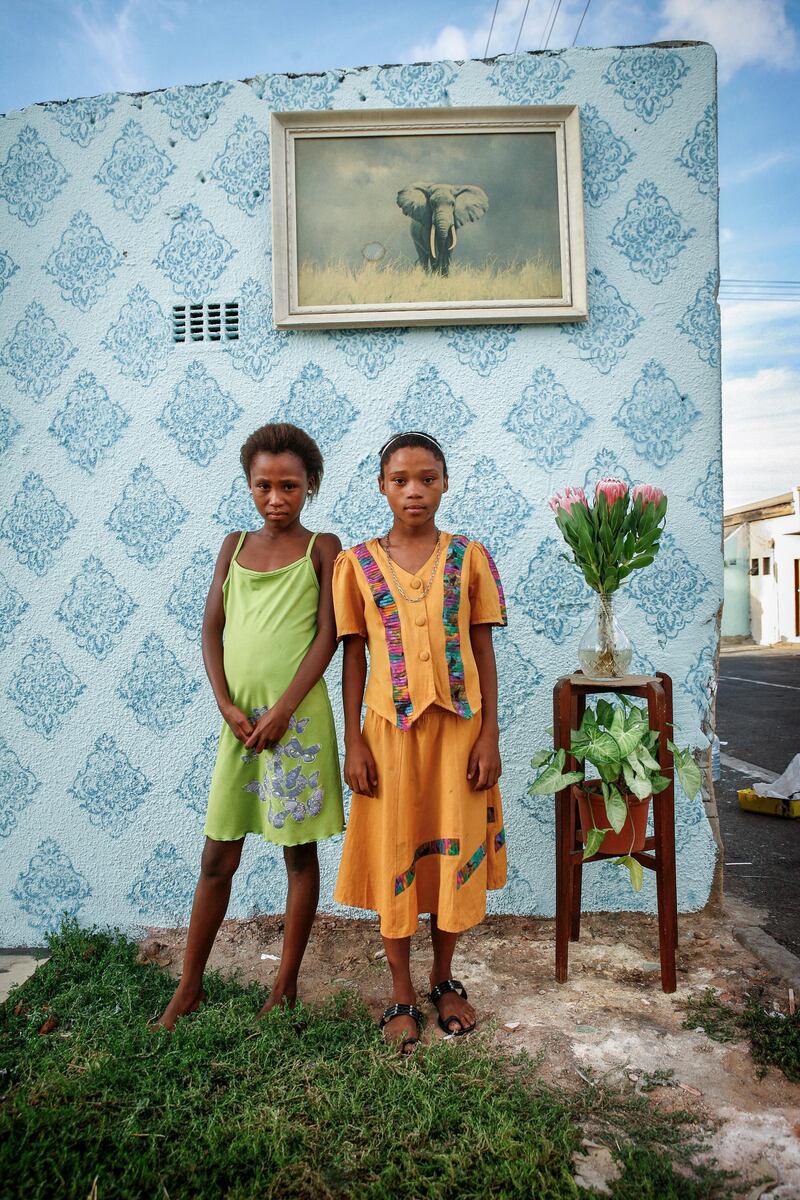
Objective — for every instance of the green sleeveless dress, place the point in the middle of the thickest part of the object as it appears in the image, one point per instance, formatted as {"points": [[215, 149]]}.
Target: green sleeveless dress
{"points": [[290, 793]]}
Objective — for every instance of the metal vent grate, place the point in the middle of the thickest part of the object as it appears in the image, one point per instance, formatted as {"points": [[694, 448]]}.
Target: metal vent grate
{"points": [[211, 322]]}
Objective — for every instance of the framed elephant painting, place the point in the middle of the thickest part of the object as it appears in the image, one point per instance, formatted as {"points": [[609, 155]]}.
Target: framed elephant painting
{"points": [[427, 217]]}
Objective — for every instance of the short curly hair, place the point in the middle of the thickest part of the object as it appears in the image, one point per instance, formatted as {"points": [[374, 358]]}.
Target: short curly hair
{"points": [[280, 437]]}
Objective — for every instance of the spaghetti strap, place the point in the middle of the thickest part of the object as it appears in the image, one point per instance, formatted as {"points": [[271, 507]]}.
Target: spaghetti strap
{"points": [[310, 545], [242, 536]]}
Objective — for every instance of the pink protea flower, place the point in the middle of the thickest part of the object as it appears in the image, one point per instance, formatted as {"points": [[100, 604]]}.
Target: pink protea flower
{"points": [[612, 489], [567, 498], [648, 493]]}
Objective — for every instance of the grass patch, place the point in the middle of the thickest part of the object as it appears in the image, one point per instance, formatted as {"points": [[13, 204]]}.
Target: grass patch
{"points": [[774, 1036], [307, 1105], [393, 282]]}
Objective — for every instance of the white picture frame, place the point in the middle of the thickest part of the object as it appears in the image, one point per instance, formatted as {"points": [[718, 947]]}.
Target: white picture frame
{"points": [[335, 180]]}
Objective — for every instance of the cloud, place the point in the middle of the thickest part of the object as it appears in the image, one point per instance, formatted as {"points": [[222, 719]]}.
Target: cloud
{"points": [[761, 434], [113, 41], [753, 330], [743, 32], [760, 405], [759, 166], [770, 394], [770, 39], [460, 41]]}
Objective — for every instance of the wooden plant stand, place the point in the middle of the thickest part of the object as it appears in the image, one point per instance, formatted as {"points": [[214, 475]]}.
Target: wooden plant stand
{"points": [[569, 705]]}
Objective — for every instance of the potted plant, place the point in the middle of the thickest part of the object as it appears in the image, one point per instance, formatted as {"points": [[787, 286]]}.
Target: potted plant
{"points": [[617, 741], [617, 534]]}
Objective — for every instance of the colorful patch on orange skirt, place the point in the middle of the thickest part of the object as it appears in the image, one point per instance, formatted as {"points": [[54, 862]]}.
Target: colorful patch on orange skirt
{"points": [[470, 866], [446, 846]]}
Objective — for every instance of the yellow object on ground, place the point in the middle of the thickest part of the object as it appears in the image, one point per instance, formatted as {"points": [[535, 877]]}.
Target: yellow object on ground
{"points": [[773, 806]]}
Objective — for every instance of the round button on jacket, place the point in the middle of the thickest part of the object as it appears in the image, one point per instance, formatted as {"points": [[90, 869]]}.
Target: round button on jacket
{"points": [[419, 620], [425, 655], [416, 583]]}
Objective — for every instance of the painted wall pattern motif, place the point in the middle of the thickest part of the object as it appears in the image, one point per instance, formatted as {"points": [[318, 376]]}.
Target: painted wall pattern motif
{"points": [[83, 263], [120, 453], [89, 423], [37, 353]]}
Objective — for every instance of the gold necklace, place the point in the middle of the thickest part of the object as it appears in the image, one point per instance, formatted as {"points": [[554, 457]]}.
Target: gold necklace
{"points": [[428, 585]]}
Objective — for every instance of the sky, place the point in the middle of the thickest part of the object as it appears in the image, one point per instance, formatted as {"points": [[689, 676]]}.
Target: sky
{"points": [[55, 49]]}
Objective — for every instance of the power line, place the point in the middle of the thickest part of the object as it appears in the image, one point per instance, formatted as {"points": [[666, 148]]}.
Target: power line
{"points": [[580, 23], [553, 25], [747, 285], [792, 283], [522, 24], [547, 22], [726, 298], [491, 27], [734, 293], [745, 291]]}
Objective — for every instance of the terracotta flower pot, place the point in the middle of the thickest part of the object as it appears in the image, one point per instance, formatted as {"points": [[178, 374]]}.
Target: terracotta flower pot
{"points": [[631, 837]]}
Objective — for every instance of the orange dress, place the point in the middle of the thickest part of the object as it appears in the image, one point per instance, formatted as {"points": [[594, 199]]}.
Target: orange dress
{"points": [[427, 842]]}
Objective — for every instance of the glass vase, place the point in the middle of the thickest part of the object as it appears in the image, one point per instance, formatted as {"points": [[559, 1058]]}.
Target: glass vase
{"points": [[605, 651]]}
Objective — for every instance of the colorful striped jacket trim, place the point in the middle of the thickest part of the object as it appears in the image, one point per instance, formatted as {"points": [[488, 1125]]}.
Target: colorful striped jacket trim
{"points": [[452, 638], [387, 607]]}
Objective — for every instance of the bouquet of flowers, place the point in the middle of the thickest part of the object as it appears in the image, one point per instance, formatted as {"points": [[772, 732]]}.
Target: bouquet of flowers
{"points": [[617, 534]]}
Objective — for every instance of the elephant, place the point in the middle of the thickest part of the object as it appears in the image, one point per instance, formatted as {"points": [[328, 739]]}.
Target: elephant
{"points": [[436, 211]]}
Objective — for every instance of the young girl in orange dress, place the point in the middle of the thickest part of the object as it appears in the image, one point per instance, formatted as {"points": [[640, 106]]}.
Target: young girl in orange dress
{"points": [[425, 833]]}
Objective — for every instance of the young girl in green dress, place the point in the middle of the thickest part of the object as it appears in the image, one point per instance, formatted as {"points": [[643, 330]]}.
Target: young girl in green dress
{"points": [[268, 635]]}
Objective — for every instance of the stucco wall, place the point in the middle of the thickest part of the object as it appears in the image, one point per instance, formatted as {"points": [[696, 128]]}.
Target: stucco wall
{"points": [[736, 611], [772, 596], [120, 452]]}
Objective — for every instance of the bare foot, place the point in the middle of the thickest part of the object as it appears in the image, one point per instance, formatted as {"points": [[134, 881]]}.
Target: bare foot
{"points": [[181, 1004], [284, 996], [457, 1013]]}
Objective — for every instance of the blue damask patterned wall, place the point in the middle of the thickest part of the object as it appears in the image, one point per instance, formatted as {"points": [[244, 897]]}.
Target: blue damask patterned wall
{"points": [[120, 448]]}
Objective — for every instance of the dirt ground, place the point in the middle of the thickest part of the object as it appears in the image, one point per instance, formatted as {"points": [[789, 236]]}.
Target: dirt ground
{"points": [[610, 1018]]}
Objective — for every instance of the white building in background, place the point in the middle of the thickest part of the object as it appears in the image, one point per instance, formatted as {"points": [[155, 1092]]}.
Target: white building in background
{"points": [[762, 570]]}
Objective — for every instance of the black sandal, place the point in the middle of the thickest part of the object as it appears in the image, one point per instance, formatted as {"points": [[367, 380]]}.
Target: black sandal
{"points": [[441, 989], [404, 1010]]}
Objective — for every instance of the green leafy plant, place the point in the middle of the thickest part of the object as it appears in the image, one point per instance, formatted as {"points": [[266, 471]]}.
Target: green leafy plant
{"points": [[617, 741], [774, 1035]]}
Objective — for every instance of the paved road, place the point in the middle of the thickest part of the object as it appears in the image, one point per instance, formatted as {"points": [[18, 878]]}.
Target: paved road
{"points": [[758, 715]]}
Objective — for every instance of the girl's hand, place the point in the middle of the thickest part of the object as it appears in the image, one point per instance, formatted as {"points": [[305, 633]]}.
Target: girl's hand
{"points": [[269, 728], [485, 767], [360, 772], [240, 724]]}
